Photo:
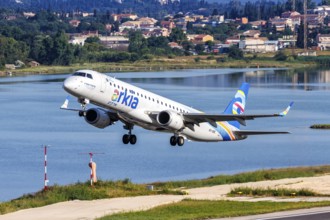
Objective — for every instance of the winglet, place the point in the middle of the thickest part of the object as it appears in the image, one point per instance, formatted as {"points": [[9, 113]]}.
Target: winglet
{"points": [[286, 111], [66, 103]]}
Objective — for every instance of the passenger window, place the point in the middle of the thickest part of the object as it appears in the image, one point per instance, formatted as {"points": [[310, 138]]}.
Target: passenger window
{"points": [[89, 76], [110, 84], [158, 101]]}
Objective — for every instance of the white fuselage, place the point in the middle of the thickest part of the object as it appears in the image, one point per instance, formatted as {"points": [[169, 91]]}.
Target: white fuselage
{"points": [[133, 104]]}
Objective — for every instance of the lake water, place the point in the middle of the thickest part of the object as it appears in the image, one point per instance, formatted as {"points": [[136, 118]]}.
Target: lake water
{"points": [[30, 117]]}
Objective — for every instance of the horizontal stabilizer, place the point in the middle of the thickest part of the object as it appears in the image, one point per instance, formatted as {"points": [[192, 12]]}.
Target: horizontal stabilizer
{"points": [[66, 105], [247, 133]]}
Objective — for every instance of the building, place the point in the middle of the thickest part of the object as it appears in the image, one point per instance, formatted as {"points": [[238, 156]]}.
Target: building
{"points": [[313, 20], [258, 24], [281, 23], [33, 64], [243, 20], [323, 41], [79, 39], [115, 42], [259, 45], [74, 23], [119, 17], [169, 25], [252, 33]]}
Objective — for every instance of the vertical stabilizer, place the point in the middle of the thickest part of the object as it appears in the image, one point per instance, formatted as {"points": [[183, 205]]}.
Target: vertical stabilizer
{"points": [[237, 104]]}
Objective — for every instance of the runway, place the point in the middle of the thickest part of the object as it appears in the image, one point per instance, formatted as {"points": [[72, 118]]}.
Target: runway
{"points": [[322, 213]]}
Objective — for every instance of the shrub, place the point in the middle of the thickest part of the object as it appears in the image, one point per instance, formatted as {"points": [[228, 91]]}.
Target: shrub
{"points": [[197, 59]]}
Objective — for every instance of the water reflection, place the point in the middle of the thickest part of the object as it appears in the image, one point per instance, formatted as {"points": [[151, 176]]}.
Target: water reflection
{"points": [[278, 78]]}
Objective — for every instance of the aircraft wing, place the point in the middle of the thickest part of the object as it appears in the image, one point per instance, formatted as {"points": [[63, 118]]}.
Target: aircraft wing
{"points": [[247, 133], [197, 118]]}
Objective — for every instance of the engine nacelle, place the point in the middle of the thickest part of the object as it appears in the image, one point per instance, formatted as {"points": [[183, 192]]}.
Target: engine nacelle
{"points": [[97, 117], [170, 120]]}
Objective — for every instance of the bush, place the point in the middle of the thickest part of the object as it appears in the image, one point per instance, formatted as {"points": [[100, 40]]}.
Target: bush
{"points": [[147, 57], [221, 60], [210, 57], [280, 56], [197, 59]]}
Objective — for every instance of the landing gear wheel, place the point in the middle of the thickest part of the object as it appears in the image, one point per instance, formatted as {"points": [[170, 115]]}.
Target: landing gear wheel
{"points": [[133, 139], [126, 139], [81, 113], [180, 141], [173, 140]]}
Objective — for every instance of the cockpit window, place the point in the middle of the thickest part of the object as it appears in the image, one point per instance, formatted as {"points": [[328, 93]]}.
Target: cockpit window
{"points": [[80, 74], [88, 75]]}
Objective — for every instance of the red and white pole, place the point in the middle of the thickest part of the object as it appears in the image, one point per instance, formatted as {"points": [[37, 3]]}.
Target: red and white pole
{"points": [[45, 164], [90, 165]]}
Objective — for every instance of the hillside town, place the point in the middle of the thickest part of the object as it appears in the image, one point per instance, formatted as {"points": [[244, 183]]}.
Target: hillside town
{"points": [[249, 40], [136, 37]]}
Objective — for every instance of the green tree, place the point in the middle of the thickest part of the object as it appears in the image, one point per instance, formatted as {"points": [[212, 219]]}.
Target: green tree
{"points": [[177, 35], [235, 53], [93, 40], [199, 48], [137, 43], [300, 36], [12, 50]]}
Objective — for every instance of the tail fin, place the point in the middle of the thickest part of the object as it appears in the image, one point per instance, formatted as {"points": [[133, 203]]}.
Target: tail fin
{"points": [[237, 104]]}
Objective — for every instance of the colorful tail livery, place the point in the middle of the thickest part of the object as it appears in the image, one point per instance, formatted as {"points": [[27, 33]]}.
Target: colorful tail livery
{"points": [[237, 104]]}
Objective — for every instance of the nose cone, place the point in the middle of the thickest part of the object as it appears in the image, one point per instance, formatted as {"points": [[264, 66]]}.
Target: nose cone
{"points": [[69, 85]]}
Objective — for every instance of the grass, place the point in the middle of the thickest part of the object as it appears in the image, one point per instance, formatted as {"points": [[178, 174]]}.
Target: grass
{"points": [[196, 209], [281, 192], [320, 126], [260, 175], [112, 189], [80, 191]]}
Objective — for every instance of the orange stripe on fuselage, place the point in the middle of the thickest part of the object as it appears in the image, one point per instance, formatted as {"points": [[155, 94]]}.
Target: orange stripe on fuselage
{"points": [[227, 129]]}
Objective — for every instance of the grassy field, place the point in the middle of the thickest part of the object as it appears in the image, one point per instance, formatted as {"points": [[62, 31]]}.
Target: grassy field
{"points": [[248, 191], [195, 209], [260, 175], [111, 189], [320, 126]]}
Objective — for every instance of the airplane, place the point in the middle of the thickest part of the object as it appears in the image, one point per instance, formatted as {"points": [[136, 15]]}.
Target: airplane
{"points": [[119, 101]]}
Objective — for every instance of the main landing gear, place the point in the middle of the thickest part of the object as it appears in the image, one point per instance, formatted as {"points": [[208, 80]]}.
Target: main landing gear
{"points": [[129, 138], [177, 140]]}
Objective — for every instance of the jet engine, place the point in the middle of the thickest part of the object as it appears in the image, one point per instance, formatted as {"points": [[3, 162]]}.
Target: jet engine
{"points": [[98, 117], [170, 120]]}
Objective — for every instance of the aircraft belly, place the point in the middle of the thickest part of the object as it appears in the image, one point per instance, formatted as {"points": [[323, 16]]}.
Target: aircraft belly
{"points": [[204, 132]]}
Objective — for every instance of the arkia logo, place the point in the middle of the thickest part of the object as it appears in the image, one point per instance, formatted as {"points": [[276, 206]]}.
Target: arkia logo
{"points": [[125, 99]]}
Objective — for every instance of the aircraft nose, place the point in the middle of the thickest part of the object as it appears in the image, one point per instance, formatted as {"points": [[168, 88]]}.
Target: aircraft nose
{"points": [[69, 84]]}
